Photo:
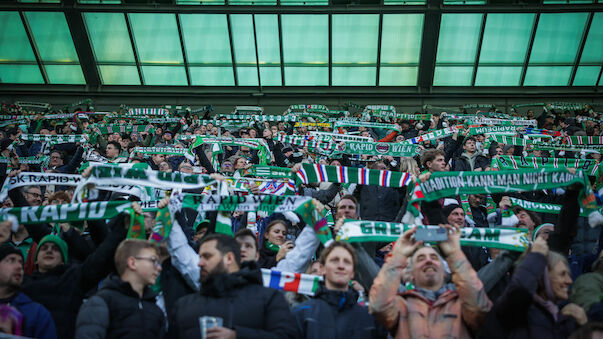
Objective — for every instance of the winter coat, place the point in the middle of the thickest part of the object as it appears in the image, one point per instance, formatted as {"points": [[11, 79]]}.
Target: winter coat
{"points": [[62, 289], [463, 163], [517, 315], [37, 321], [455, 313], [243, 303], [587, 289], [378, 203], [117, 311], [267, 258], [335, 314]]}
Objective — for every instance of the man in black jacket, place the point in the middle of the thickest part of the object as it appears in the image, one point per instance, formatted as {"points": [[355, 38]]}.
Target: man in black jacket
{"points": [[334, 312], [125, 306], [471, 159], [234, 293]]}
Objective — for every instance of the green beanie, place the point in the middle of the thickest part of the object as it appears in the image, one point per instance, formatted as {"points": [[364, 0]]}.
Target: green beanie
{"points": [[55, 239]]}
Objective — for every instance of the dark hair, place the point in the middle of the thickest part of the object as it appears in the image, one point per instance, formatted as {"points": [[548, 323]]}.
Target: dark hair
{"points": [[245, 232], [334, 245], [350, 197], [535, 218], [430, 155], [468, 139], [116, 144], [224, 244], [61, 153]]}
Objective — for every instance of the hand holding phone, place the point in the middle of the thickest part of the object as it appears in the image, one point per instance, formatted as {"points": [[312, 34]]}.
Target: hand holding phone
{"points": [[431, 234]]}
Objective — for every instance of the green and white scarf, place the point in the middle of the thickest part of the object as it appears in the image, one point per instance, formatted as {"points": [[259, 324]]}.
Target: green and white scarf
{"points": [[513, 239], [67, 212], [593, 141], [507, 162], [377, 148], [118, 128], [304, 108], [284, 118], [500, 130], [34, 178], [264, 171], [492, 121], [162, 150], [13, 122], [28, 160], [56, 139], [367, 125], [437, 134], [148, 111], [312, 173], [338, 136], [540, 207]]}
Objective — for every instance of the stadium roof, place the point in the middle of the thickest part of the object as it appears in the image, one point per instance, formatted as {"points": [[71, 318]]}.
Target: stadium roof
{"points": [[297, 43]]}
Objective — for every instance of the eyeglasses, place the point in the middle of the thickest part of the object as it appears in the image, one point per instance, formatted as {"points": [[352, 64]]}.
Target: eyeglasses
{"points": [[155, 261], [35, 195], [55, 157]]}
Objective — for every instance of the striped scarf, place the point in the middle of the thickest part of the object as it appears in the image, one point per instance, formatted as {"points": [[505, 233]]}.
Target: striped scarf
{"points": [[148, 111], [500, 130], [367, 125], [13, 122], [437, 134], [492, 121], [507, 162], [55, 139], [540, 207], [338, 136], [119, 128], [303, 108], [28, 160], [593, 141], [267, 171], [312, 173]]}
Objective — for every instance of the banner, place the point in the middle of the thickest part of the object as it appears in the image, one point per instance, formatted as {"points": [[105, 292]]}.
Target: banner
{"points": [[378, 148], [513, 239], [42, 179], [67, 212], [507, 162], [310, 173], [540, 207], [55, 138], [292, 282]]}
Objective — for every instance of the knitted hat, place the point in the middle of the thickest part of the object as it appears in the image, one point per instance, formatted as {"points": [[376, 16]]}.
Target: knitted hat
{"points": [[7, 249], [539, 228], [55, 240], [446, 210]]}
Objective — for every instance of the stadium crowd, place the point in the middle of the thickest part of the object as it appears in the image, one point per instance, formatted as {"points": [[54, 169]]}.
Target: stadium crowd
{"points": [[183, 223]]}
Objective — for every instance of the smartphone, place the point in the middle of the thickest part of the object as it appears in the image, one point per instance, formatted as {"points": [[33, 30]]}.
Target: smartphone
{"points": [[431, 234]]}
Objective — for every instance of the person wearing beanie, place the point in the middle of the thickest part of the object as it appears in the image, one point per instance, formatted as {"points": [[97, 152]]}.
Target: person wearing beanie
{"points": [[60, 285], [36, 320]]}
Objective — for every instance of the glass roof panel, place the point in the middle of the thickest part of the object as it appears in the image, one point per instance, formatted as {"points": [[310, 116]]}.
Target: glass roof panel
{"points": [[452, 76], [211, 76], [102, 2], [247, 76], [156, 38], [200, 2], [14, 44], [354, 76], [464, 2], [506, 38], [306, 76], [459, 34], [206, 38], [304, 2], [119, 75], [354, 39], [557, 37], [109, 37], [593, 48], [270, 76], [547, 76], [402, 2], [20, 74], [164, 75], [398, 76], [52, 37], [401, 38], [546, 2], [252, 2], [305, 39], [497, 76], [65, 74], [242, 39], [42, 1], [266, 26], [586, 75]]}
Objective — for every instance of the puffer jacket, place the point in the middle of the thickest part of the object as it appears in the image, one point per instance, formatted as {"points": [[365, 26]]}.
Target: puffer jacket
{"points": [[117, 311], [463, 163], [243, 303], [335, 314], [454, 314]]}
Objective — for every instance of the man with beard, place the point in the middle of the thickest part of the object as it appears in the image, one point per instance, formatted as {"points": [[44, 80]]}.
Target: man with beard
{"points": [[433, 309], [36, 321], [234, 292]]}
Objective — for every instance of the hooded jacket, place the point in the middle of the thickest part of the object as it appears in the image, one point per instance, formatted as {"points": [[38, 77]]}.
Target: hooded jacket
{"points": [[335, 314], [468, 163], [243, 303], [37, 322], [117, 311]]}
